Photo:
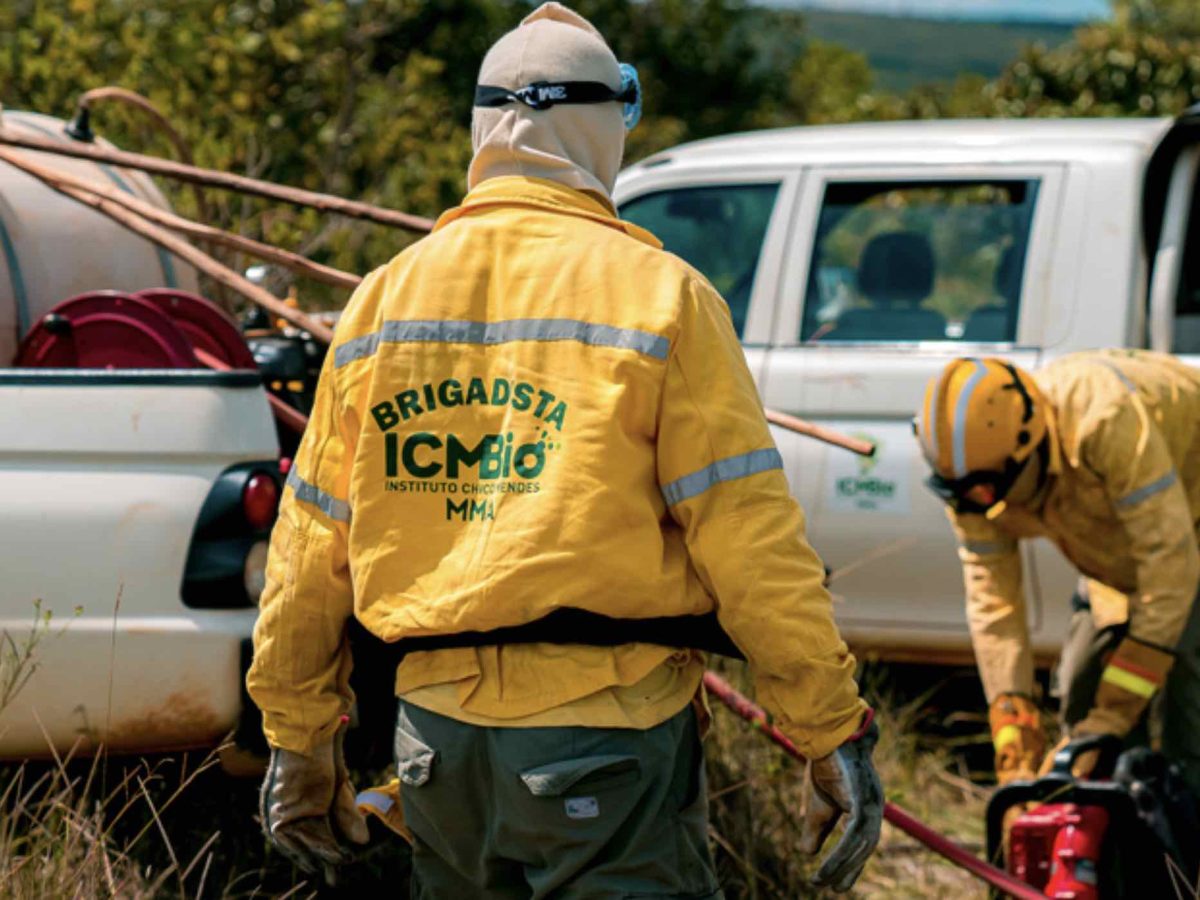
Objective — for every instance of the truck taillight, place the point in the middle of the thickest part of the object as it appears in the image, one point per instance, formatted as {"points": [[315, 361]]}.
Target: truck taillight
{"points": [[226, 561], [260, 500]]}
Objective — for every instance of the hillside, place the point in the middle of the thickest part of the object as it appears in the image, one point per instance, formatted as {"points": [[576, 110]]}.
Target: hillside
{"points": [[905, 52]]}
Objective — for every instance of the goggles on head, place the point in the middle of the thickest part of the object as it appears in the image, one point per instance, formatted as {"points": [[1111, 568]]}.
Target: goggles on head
{"points": [[543, 95]]}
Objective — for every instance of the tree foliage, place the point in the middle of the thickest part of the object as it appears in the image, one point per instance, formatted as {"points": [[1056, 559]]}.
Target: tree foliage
{"points": [[1104, 71], [372, 98], [1167, 17], [1144, 62]]}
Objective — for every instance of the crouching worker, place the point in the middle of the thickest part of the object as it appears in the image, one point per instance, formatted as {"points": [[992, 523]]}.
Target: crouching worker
{"points": [[536, 409], [1100, 453]]}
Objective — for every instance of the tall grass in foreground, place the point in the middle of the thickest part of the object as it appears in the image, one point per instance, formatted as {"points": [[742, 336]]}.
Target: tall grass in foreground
{"points": [[164, 826], [757, 798], [68, 829], [169, 826], [63, 835], [177, 826]]}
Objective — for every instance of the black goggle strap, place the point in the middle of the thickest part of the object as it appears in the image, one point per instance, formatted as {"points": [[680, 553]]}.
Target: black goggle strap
{"points": [[1019, 386], [545, 94]]}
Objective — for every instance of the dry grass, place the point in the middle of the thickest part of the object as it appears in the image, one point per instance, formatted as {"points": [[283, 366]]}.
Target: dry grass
{"points": [[175, 826], [67, 830], [160, 828], [154, 827], [101, 827], [61, 836], [126, 827], [757, 802]]}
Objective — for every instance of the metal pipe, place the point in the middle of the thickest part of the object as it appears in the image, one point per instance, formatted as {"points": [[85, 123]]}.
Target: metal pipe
{"points": [[105, 200], [181, 248], [249, 246], [292, 418], [227, 180], [821, 433]]}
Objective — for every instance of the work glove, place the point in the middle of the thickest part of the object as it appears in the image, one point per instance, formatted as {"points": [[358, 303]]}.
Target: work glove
{"points": [[846, 782], [308, 809], [1017, 737], [1134, 674]]}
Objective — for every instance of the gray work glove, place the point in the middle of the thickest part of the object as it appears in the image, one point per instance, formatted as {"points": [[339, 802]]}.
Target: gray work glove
{"points": [[845, 781], [308, 809]]}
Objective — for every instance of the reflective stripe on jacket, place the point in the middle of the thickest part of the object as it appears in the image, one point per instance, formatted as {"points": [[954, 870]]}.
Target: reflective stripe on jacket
{"points": [[536, 407], [1122, 504]]}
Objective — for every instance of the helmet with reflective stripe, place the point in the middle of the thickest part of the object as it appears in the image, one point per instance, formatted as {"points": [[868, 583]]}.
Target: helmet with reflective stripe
{"points": [[981, 421]]}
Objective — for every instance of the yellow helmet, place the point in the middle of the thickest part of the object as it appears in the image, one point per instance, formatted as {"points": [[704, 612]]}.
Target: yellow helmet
{"points": [[981, 421]]}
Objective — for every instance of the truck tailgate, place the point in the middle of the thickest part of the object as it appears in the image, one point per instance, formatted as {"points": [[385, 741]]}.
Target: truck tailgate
{"points": [[103, 474]]}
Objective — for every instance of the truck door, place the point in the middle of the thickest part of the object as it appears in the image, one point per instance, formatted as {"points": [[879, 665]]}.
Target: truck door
{"points": [[890, 275], [732, 229], [735, 230]]}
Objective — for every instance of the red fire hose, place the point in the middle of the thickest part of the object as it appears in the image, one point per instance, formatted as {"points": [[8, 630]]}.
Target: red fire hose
{"points": [[997, 878]]}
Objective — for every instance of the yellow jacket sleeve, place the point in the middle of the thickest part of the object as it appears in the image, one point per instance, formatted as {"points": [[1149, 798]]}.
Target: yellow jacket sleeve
{"points": [[723, 482], [1129, 453], [991, 562], [301, 669]]}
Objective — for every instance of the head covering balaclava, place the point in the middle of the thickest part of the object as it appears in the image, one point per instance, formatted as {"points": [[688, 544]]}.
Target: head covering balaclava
{"points": [[579, 145]]}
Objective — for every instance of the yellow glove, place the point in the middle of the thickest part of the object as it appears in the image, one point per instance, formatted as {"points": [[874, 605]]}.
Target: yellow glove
{"points": [[1134, 674], [1017, 737]]}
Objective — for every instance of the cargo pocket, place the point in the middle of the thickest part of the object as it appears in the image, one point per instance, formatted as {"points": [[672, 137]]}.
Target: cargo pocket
{"points": [[582, 789], [414, 758], [592, 773]]}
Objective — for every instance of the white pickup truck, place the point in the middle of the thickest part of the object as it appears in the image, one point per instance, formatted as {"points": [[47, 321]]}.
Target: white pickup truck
{"points": [[123, 497], [858, 259]]}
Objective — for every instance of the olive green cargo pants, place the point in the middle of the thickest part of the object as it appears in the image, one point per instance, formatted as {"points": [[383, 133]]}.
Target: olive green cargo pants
{"points": [[554, 812], [1173, 720]]}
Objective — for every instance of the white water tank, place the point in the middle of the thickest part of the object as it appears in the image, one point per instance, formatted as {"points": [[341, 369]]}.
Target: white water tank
{"points": [[52, 248]]}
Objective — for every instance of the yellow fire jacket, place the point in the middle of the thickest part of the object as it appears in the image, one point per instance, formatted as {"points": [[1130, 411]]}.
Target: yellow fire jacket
{"points": [[536, 407], [1122, 504]]}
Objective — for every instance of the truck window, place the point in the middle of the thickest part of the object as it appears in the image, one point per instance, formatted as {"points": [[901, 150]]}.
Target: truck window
{"points": [[718, 229], [919, 261]]}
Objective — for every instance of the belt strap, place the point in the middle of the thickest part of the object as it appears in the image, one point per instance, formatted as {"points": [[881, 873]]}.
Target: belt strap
{"points": [[579, 626]]}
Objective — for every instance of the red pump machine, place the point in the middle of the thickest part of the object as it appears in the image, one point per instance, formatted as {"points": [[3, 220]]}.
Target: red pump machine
{"points": [[1132, 834]]}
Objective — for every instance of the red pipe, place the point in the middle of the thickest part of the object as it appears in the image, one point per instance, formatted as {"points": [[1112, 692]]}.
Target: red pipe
{"points": [[758, 719], [291, 418]]}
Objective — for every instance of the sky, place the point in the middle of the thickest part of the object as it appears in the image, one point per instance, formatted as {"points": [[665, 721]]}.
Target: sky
{"points": [[994, 10]]}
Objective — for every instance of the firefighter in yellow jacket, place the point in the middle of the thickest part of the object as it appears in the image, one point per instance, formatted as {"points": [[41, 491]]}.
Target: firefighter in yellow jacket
{"points": [[535, 409], [1100, 453]]}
